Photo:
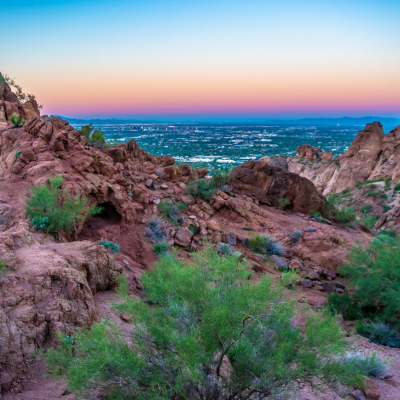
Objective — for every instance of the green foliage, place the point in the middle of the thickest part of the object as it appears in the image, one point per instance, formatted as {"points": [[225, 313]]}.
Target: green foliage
{"points": [[371, 193], [155, 230], [379, 332], [16, 120], [161, 248], [359, 185], [204, 330], [296, 236], [194, 228], [289, 278], [92, 136], [17, 154], [3, 267], [170, 210], [375, 273], [365, 208], [266, 246], [110, 245], [345, 215], [386, 208], [370, 221], [51, 209], [384, 196], [397, 187], [283, 203], [345, 192], [372, 366], [205, 188]]}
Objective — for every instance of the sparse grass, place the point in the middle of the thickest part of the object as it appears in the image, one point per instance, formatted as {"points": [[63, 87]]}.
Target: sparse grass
{"points": [[266, 246], [155, 230], [3, 267], [170, 210], [205, 188]]}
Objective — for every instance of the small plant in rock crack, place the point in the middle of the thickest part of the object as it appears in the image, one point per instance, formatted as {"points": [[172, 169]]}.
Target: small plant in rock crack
{"points": [[266, 246], [161, 248], [17, 153], [283, 202], [3, 267], [114, 248], [155, 231], [16, 120], [296, 236], [171, 211]]}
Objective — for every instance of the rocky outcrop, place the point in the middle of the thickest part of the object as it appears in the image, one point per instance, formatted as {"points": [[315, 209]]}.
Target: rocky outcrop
{"points": [[115, 175], [371, 155], [269, 184], [47, 287], [9, 104]]}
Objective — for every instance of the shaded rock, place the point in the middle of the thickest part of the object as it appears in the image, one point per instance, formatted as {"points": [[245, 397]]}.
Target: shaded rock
{"points": [[183, 237], [306, 283], [278, 262]]}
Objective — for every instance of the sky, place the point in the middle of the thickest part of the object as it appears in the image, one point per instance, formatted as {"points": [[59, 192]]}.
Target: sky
{"points": [[205, 58]]}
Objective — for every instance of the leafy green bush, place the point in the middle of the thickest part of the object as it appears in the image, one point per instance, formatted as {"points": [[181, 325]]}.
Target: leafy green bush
{"points": [[110, 245], [283, 203], [3, 267], [170, 210], [204, 331], [155, 230], [92, 136], [161, 248], [386, 208], [371, 193], [397, 187], [370, 221], [266, 246], [345, 215], [205, 188], [17, 154], [369, 366], [359, 185], [365, 208], [379, 332], [16, 120], [375, 273], [51, 209]]}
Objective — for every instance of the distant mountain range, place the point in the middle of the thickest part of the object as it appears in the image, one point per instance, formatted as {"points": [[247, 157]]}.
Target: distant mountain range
{"points": [[345, 121]]}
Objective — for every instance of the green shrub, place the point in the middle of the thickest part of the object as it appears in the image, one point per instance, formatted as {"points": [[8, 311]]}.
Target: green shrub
{"points": [[386, 208], [203, 330], [375, 273], [289, 278], [161, 248], [365, 208], [266, 246], [397, 187], [283, 203], [379, 332], [359, 185], [92, 136], [170, 210], [371, 193], [345, 215], [51, 209], [370, 221], [372, 186], [155, 230], [296, 236], [369, 366], [110, 245], [384, 196], [345, 192], [16, 120], [194, 228], [205, 188], [3, 267]]}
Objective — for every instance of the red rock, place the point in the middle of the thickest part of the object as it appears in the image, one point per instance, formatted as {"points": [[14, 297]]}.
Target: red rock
{"points": [[371, 390], [183, 237]]}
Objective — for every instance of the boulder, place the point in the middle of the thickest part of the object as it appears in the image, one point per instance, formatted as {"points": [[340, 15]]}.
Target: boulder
{"points": [[183, 237]]}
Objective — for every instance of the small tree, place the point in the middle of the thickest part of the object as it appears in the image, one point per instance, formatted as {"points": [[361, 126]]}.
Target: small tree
{"points": [[16, 120], [205, 331], [51, 209]]}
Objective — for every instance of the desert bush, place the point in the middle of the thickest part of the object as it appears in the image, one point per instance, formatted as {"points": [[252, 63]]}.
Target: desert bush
{"points": [[379, 332], [3, 267], [155, 230], [375, 273], [296, 236], [289, 278], [17, 153], [52, 209], [359, 185], [170, 210], [114, 248], [205, 188], [283, 203], [370, 221], [371, 366], [386, 208], [266, 246], [16, 120], [365, 208], [203, 330], [194, 228], [345, 215], [92, 136], [161, 248]]}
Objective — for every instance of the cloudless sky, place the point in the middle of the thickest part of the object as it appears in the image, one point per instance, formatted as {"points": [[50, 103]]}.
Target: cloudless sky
{"points": [[205, 58]]}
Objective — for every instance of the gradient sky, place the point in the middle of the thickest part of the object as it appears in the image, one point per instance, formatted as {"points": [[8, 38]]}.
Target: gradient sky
{"points": [[205, 58]]}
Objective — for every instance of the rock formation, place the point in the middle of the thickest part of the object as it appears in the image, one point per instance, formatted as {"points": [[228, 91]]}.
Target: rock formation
{"points": [[9, 104]]}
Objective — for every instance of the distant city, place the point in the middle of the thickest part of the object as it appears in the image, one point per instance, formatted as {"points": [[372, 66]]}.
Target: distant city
{"points": [[222, 147]]}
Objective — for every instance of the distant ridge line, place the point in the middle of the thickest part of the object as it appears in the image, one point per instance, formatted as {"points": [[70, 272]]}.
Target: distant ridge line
{"points": [[347, 121]]}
